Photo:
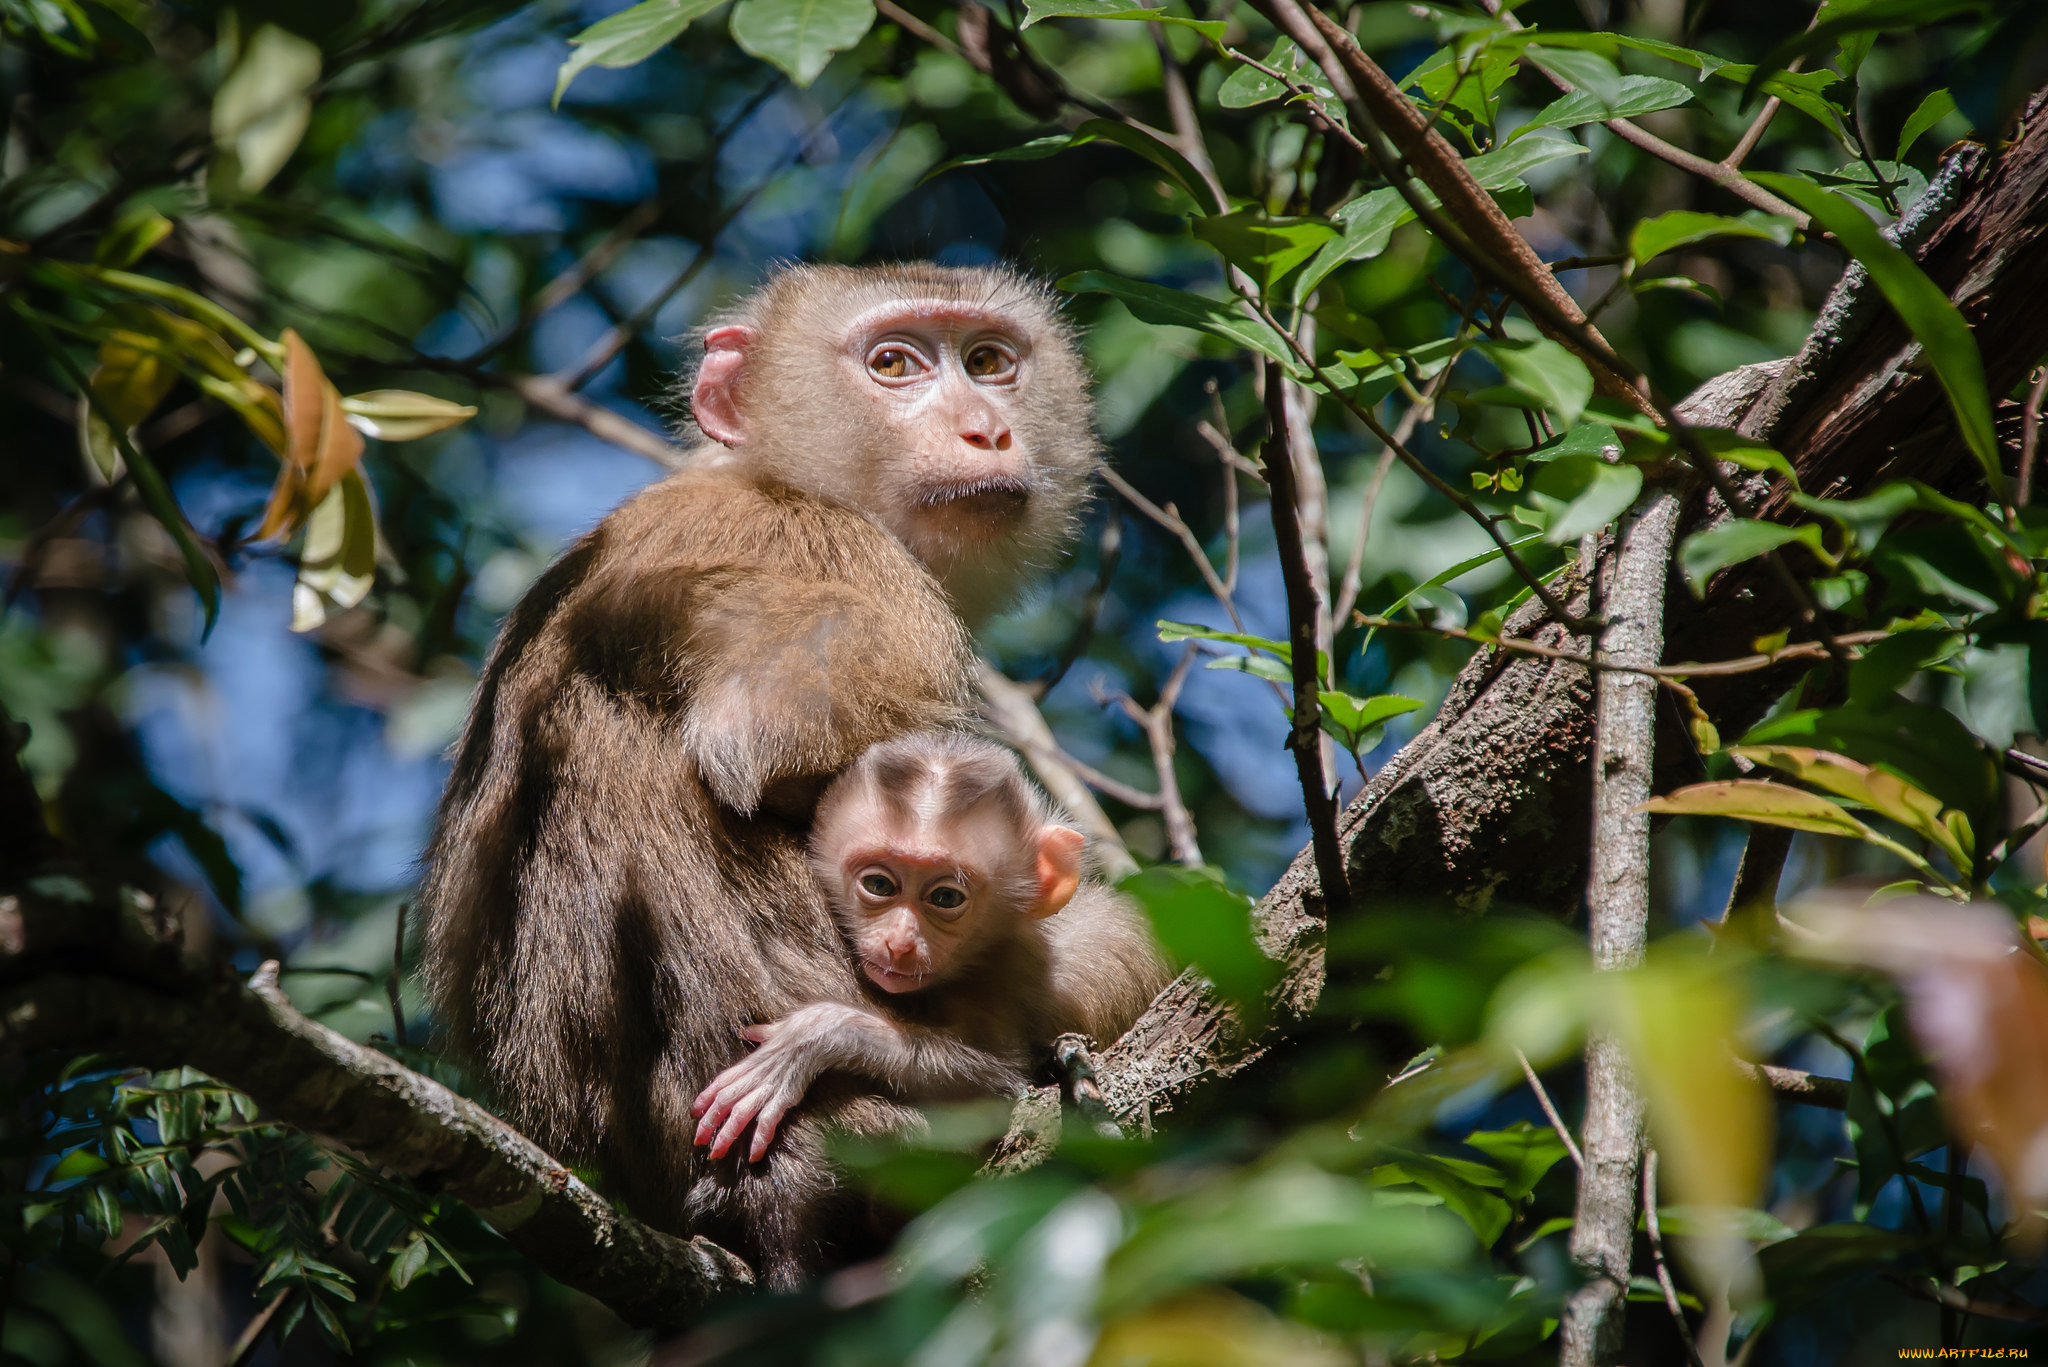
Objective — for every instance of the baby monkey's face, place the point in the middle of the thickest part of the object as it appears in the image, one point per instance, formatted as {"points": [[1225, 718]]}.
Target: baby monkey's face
{"points": [[922, 894]]}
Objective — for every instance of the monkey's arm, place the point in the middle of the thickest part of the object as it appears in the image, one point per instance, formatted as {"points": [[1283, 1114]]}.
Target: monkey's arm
{"points": [[1106, 967], [760, 1089], [787, 678]]}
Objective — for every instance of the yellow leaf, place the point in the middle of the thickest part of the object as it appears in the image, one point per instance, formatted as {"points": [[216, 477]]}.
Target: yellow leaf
{"points": [[261, 110], [402, 415], [1774, 804], [1879, 789]]}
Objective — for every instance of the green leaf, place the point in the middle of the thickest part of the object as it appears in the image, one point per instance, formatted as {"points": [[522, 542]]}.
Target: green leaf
{"points": [[1805, 91], [82, 1162], [1368, 222], [1445, 576], [1151, 303], [1589, 73], [1036, 11], [136, 230], [1928, 746], [1844, 18], [1587, 439], [1610, 45], [1931, 111], [1131, 139], [409, 1261], [800, 36], [1704, 553], [1203, 923], [1524, 1152], [1582, 494], [1653, 237], [1635, 95], [1544, 372], [629, 37], [1773, 804], [1187, 631], [1259, 666], [1355, 721], [1263, 248], [1487, 1214], [1248, 86], [1943, 335]]}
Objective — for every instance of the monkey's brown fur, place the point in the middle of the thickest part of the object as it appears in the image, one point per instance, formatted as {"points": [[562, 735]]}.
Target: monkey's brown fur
{"points": [[618, 881]]}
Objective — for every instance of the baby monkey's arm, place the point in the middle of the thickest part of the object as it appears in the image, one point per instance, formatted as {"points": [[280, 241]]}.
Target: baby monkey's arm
{"points": [[924, 1065]]}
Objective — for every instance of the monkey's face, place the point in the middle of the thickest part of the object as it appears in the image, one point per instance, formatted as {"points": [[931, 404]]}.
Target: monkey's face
{"points": [[948, 405], [909, 915]]}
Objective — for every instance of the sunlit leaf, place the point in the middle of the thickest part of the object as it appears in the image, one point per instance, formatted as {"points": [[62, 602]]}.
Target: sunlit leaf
{"points": [[1943, 334], [1665, 232], [134, 232], [1581, 494], [1247, 86], [1355, 722], [800, 36], [1917, 810], [1774, 804], [1178, 308], [1634, 95], [1546, 373], [1524, 1151], [1036, 11], [1263, 248], [338, 563], [402, 415], [629, 37], [1707, 552]]}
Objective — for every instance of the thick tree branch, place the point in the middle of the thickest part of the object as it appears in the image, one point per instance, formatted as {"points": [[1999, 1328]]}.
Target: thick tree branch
{"points": [[1494, 795], [80, 971]]}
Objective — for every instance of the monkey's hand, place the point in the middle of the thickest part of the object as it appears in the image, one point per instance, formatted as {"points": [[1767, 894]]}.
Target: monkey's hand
{"points": [[761, 1088]]}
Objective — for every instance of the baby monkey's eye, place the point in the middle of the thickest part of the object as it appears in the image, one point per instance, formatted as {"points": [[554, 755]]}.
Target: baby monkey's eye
{"points": [[990, 362], [894, 363], [946, 898], [878, 884]]}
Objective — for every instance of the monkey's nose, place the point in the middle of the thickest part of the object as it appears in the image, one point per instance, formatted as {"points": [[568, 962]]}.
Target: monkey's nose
{"points": [[986, 436]]}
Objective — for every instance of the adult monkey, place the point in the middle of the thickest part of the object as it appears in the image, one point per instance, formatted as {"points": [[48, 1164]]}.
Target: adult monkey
{"points": [[618, 881]]}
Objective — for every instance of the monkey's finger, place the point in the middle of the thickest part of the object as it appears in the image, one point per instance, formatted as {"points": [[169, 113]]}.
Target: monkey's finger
{"points": [[757, 1034], [770, 1120], [736, 1124]]}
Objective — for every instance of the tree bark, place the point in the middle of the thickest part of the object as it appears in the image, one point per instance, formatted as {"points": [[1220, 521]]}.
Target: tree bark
{"points": [[1618, 922]]}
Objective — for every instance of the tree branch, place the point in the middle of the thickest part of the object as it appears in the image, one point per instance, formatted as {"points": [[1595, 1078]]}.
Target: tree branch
{"points": [[1618, 921], [101, 976]]}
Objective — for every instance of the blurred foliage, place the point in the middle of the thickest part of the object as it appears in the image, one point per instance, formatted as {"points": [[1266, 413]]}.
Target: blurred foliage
{"points": [[280, 281]]}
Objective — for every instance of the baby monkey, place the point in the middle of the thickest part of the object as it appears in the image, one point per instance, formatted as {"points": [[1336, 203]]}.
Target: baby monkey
{"points": [[946, 870]]}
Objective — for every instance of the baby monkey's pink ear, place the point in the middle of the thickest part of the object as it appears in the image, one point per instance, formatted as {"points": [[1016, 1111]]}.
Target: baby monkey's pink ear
{"points": [[713, 404], [1059, 869]]}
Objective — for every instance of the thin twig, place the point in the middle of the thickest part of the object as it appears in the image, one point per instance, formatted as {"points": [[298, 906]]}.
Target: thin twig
{"points": [[1109, 546], [1654, 1228], [920, 30], [253, 1332], [1746, 664], [2030, 438], [1550, 1113], [1171, 520], [1010, 708], [1305, 737], [1458, 498], [1157, 723]]}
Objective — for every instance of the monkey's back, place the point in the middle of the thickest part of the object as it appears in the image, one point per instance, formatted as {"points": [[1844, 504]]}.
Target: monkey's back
{"points": [[599, 924]]}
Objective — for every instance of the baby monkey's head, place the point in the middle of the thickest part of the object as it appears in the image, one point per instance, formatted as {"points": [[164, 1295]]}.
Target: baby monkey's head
{"points": [[934, 850]]}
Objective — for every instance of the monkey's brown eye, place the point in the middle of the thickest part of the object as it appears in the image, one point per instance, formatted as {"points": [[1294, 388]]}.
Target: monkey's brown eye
{"points": [[878, 885], [989, 362], [894, 363], [946, 898]]}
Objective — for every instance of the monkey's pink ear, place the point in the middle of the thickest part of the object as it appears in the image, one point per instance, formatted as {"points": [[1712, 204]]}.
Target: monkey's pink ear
{"points": [[1059, 869], [713, 403]]}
